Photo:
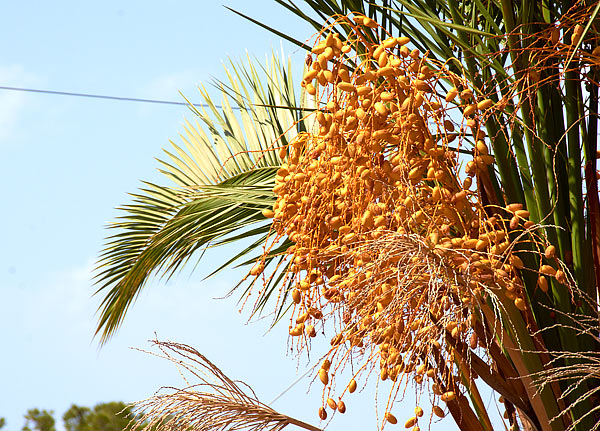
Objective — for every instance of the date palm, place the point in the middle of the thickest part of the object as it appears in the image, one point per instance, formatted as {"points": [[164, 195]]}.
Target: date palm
{"points": [[538, 63]]}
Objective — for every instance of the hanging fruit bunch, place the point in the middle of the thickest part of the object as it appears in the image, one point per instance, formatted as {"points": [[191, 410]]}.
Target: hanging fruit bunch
{"points": [[412, 263]]}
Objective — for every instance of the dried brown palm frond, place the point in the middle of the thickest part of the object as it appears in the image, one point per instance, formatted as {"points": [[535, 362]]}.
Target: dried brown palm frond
{"points": [[216, 403]]}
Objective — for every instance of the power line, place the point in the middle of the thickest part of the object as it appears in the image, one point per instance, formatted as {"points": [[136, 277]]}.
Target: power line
{"points": [[100, 96], [294, 383]]}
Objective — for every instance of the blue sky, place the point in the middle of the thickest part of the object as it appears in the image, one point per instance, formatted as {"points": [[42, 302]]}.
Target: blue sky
{"points": [[68, 162]]}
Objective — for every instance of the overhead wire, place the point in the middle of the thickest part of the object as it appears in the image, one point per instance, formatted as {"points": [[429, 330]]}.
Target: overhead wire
{"points": [[294, 383], [101, 96]]}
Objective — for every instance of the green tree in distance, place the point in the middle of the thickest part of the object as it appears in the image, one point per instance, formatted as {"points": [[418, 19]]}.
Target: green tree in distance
{"points": [[111, 416], [77, 418], [39, 420]]}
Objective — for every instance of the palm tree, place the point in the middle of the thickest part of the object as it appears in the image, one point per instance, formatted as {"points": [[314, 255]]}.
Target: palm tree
{"points": [[500, 92]]}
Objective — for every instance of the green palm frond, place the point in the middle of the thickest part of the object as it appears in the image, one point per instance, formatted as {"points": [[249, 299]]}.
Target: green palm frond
{"points": [[223, 175]]}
